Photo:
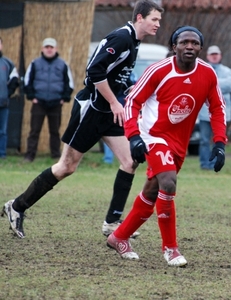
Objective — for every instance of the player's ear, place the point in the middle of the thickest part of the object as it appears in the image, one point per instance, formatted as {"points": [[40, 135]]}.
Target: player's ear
{"points": [[174, 48]]}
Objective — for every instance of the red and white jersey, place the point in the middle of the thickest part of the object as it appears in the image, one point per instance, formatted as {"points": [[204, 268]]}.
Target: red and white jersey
{"points": [[170, 101]]}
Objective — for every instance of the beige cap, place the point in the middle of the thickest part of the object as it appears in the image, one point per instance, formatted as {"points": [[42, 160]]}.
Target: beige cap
{"points": [[49, 42], [213, 49]]}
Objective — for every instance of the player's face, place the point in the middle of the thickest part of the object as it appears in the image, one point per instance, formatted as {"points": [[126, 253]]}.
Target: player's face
{"points": [[148, 25], [188, 47]]}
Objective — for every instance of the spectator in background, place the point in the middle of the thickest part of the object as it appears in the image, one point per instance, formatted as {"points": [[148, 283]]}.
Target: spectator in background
{"points": [[214, 57], [108, 157], [48, 84], [8, 84]]}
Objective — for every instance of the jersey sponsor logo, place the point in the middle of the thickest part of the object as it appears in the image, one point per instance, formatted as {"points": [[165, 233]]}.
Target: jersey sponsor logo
{"points": [[110, 50], [187, 81], [180, 108], [128, 69]]}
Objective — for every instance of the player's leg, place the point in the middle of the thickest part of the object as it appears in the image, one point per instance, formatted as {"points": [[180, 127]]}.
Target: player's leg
{"points": [[167, 167], [143, 208], [166, 214], [122, 183], [160, 188], [73, 139], [44, 182]]}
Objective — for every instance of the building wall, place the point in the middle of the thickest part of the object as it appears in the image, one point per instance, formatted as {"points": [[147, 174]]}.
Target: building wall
{"points": [[214, 25]]}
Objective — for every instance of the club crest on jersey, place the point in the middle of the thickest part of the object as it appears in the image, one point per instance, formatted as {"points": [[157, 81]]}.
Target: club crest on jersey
{"points": [[110, 50], [180, 108]]}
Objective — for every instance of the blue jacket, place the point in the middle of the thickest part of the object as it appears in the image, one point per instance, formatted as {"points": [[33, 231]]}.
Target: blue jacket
{"points": [[224, 80], [48, 80], [8, 80]]}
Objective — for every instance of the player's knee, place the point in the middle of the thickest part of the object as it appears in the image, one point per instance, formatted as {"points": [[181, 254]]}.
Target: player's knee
{"points": [[169, 187], [167, 182], [63, 170], [129, 166], [151, 194]]}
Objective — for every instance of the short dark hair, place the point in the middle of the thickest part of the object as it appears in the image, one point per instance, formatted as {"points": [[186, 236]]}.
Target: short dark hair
{"points": [[144, 7]]}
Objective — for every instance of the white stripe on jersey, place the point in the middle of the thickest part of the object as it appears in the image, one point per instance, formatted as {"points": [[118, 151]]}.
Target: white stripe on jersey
{"points": [[121, 58], [141, 84], [147, 74]]}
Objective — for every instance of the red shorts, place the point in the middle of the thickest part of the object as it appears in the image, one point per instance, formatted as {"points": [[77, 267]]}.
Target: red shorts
{"points": [[161, 159]]}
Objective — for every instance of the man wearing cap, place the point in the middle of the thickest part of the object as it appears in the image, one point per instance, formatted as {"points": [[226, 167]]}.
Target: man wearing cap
{"points": [[214, 57], [48, 84]]}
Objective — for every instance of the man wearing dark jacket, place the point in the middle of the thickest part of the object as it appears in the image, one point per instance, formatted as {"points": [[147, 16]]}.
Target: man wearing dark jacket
{"points": [[48, 84], [8, 84]]}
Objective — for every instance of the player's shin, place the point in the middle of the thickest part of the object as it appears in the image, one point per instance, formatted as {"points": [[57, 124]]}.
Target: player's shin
{"points": [[122, 187], [38, 188], [165, 208], [141, 211]]}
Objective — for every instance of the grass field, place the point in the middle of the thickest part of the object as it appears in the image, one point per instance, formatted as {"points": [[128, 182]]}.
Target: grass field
{"points": [[64, 255]]}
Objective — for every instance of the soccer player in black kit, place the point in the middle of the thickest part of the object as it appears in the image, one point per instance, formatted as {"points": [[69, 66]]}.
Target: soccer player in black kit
{"points": [[97, 114]]}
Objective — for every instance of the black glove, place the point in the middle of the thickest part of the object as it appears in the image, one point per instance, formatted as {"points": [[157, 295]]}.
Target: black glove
{"points": [[138, 149], [219, 152]]}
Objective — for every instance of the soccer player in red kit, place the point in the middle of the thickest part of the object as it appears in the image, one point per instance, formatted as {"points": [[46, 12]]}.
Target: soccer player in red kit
{"points": [[170, 94]]}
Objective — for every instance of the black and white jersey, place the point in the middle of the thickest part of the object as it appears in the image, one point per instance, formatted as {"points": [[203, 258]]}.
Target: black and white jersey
{"points": [[113, 60]]}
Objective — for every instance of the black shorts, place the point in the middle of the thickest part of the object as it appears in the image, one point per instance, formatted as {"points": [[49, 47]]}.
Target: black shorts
{"points": [[87, 126]]}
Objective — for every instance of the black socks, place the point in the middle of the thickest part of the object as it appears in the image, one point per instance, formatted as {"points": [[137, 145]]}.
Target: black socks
{"points": [[122, 186], [38, 188]]}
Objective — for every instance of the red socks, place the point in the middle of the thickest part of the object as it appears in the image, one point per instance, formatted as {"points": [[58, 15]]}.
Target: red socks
{"points": [[165, 208], [141, 211]]}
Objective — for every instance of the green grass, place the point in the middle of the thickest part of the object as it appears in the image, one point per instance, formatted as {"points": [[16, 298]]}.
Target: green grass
{"points": [[64, 255]]}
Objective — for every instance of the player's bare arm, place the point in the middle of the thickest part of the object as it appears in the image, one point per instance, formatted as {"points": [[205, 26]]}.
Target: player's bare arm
{"points": [[116, 107]]}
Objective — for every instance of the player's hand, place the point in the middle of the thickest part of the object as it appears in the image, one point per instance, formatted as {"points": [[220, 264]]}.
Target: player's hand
{"points": [[138, 149], [218, 152], [118, 112]]}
